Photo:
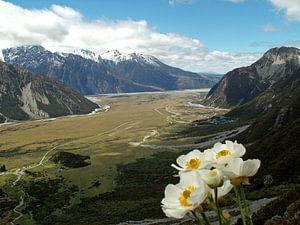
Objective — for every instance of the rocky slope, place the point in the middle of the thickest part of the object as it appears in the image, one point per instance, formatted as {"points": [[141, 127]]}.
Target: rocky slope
{"points": [[107, 72], [25, 95], [243, 84], [273, 136]]}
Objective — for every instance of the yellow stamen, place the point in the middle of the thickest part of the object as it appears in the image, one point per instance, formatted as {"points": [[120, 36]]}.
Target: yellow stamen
{"points": [[221, 153], [212, 173], [193, 164], [185, 195]]}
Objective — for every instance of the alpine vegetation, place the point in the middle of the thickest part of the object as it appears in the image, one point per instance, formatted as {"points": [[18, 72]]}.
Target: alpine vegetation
{"points": [[207, 176]]}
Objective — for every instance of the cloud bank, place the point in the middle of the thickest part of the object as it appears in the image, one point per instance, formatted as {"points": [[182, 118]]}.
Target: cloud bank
{"points": [[61, 28], [291, 8]]}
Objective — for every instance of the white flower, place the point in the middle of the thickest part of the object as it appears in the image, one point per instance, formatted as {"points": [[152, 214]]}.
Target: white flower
{"points": [[194, 160], [238, 170], [185, 196], [223, 190], [220, 154], [213, 178]]}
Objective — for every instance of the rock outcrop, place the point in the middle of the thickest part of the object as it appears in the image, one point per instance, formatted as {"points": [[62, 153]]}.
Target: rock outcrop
{"points": [[25, 95]]}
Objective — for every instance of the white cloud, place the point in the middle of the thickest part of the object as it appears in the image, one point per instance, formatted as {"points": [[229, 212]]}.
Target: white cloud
{"points": [[269, 28], [179, 2], [64, 29], [291, 8], [235, 1]]}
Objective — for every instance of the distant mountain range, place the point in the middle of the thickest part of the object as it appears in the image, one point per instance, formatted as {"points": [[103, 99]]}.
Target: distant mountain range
{"points": [[214, 77], [243, 84], [25, 95], [108, 72]]}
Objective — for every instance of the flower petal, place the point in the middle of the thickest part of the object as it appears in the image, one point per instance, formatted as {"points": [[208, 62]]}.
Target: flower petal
{"points": [[224, 190], [250, 167], [181, 161], [232, 170], [172, 193], [239, 149], [173, 212], [197, 196]]}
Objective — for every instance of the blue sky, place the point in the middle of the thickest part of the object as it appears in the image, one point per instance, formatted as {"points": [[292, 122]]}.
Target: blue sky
{"points": [[228, 27]]}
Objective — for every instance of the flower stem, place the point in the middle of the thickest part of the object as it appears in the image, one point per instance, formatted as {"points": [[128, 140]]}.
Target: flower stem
{"points": [[247, 208], [217, 206], [206, 220], [238, 199], [197, 218]]}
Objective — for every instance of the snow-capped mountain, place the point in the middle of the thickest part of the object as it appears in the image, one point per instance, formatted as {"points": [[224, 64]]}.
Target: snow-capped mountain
{"points": [[105, 72], [87, 54], [116, 57]]}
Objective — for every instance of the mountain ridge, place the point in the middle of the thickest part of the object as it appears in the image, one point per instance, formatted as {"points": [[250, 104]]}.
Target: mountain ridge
{"points": [[241, 85], [25, 95], [90, 73], [273, 136]]}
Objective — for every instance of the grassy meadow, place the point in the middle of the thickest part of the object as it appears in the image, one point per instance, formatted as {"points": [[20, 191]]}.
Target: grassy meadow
{"points": [[111, 139]]}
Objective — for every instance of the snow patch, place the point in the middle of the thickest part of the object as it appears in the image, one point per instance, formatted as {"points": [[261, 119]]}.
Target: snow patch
{"points": [[116, 57], [104, 108], [1, 56], [87, 54], [113, 55]]}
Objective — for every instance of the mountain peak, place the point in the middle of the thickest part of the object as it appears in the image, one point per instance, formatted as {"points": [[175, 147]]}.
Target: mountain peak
{"points": [[25, 49], [34, 48], [282, 50], [243, 84], [87, 54], [113, 55], [116, 56], [34, 54], [275, 57], [111, 71]]}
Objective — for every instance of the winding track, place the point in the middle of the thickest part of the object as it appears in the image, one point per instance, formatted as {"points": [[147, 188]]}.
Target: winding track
{"points": [[20, 172]]}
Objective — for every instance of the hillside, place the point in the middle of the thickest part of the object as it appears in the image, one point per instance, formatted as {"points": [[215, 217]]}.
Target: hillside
{"points": [[108, 72], [273, 137], [269, 99], [241, 85], [25, 95]]}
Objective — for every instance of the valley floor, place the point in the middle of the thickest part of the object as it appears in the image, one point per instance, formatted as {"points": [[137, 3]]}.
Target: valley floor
{"points": [[128, 128]]}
